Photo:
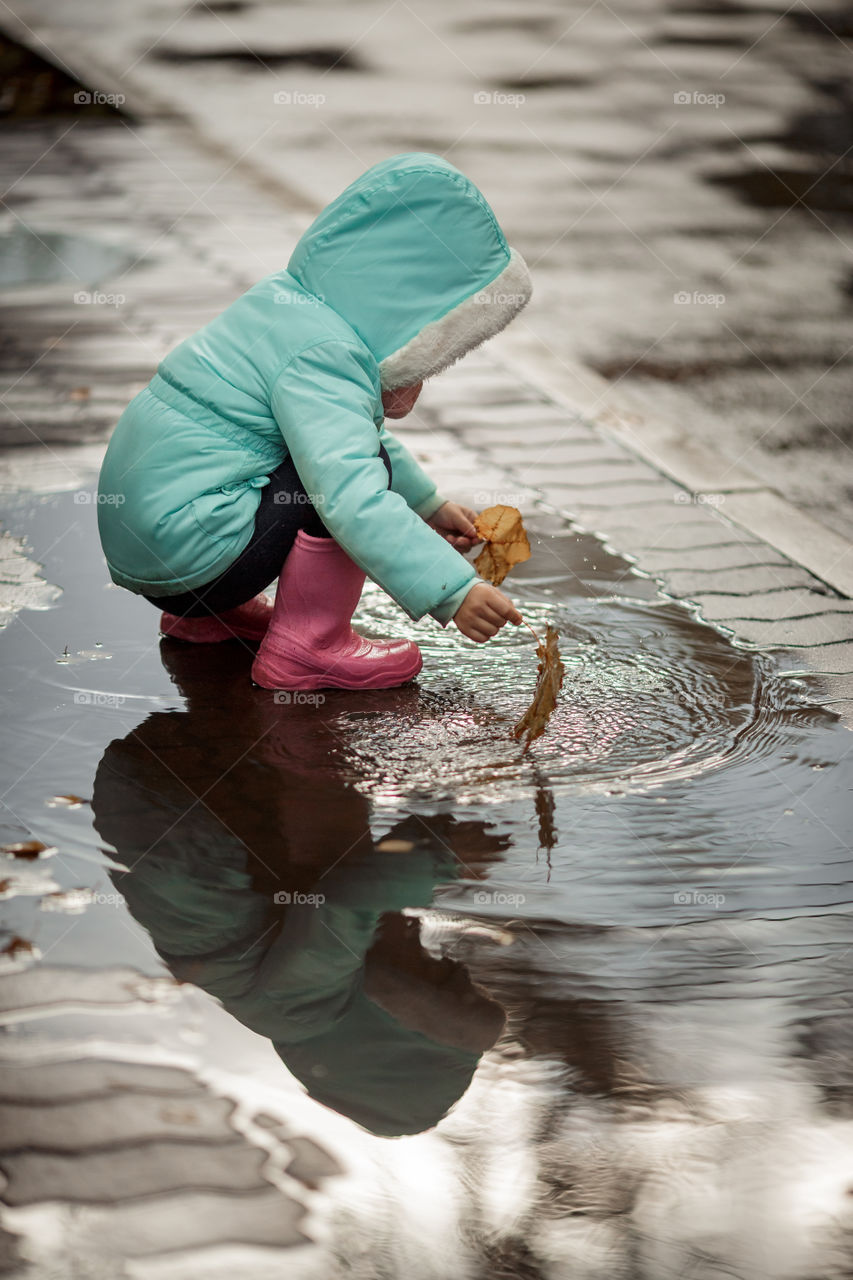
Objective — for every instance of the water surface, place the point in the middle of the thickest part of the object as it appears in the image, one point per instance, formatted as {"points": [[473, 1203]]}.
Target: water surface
{"points": [[614, 971]]}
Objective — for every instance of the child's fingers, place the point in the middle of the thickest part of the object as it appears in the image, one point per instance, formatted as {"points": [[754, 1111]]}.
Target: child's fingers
{"points": [[465, 522], [507, 610], [494, 617], [479, 628], [490, 623]]}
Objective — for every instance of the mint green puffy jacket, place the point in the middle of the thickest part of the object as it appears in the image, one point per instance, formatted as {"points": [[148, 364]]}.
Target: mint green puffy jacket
{"points": [[395, 280]]}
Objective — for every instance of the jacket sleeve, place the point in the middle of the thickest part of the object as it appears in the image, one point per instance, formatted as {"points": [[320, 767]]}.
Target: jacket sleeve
{"points": [[409, 478], [323, 401]]}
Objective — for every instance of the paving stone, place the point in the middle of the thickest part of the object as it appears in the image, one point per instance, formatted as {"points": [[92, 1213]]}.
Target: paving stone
{"points": [[114, 1118], [516, 448], [123, 1173], [681, 535], [653, 493], [711, 559], [48, 987], [519, 415], [824, 628], [91, 1078], [508, 425], [781, 605], [21, 426], [310, 1162], [834, 659], [507, 436], [195, 1219], [797, 535], [122, 351], [481, 390], [582, 453], [591, 479], [575, 437], [583, 472], [836, 690], [733, 583]]}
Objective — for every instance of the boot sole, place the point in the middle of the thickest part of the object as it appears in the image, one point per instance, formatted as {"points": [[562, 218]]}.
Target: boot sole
{"points": [[321, 681]]}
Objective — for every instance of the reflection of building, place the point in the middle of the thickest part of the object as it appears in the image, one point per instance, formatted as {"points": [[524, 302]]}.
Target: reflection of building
{"points": [[252, 866]]}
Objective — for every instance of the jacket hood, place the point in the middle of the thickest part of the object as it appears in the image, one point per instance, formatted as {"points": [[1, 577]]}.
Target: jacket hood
{"points": [[388, 1078], [411, 256]]}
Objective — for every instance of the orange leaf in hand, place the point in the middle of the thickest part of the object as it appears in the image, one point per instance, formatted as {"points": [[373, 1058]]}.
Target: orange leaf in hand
{"points": [[506, 543]]}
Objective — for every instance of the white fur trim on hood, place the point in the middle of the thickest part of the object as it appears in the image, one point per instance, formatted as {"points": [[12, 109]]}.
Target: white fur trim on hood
{"points": [[475, 319]]}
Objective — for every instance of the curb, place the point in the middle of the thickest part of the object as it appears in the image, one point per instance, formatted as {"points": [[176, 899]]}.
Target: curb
{"points": [[749, 503]]}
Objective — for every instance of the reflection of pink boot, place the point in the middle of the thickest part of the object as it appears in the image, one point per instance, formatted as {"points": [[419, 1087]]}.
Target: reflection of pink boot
{"points": [[248, 621], [310, 643]]}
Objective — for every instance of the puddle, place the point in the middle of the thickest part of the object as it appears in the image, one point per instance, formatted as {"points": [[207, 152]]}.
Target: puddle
{"points": [[42, 257], [620, 962], [810, 165]]}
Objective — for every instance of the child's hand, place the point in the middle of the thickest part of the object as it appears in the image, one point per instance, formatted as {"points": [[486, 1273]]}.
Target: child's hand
{"points": [[483, 612], [456, 524]]}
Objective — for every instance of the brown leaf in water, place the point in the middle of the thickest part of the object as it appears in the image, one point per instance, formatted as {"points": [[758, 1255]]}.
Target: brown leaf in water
{"points": [[549, 682], [17, 947], [29, 849], [545, 810], [506, 542]]}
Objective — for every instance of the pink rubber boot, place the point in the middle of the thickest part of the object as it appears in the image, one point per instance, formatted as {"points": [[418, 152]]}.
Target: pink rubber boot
{"points": [[248, 621], [310, 644]]}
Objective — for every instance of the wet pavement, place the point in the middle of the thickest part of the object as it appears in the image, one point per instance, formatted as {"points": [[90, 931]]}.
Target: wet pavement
{"points": [[347, 985], [623, 960], [678, 175]]}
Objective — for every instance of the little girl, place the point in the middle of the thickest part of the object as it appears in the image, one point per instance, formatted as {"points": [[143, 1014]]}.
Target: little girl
{"points": [[259, 448]]}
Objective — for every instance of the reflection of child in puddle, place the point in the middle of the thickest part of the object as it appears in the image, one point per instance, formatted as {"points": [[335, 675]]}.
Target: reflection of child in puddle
{"points": [[259, 448], [253, 868]]}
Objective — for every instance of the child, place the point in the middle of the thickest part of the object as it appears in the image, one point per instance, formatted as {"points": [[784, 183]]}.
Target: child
{"points": [[259, 450]]}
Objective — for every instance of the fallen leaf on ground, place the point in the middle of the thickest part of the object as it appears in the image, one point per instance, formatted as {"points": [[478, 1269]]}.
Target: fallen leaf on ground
{"points": [[506, 542], [549, 682], [16, 947], [29, 849]]}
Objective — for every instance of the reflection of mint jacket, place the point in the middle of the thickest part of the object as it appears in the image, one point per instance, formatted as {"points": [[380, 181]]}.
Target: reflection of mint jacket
{"points": [[292, 972], [395, 280]]}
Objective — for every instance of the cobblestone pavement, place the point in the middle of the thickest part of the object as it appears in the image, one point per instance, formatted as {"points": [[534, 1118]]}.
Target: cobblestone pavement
{"points": [[184, 1169], [192, 241], [678, 176]]}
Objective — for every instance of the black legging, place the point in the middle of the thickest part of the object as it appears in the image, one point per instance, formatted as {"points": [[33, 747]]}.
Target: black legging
{"points": [[284, 509]]}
